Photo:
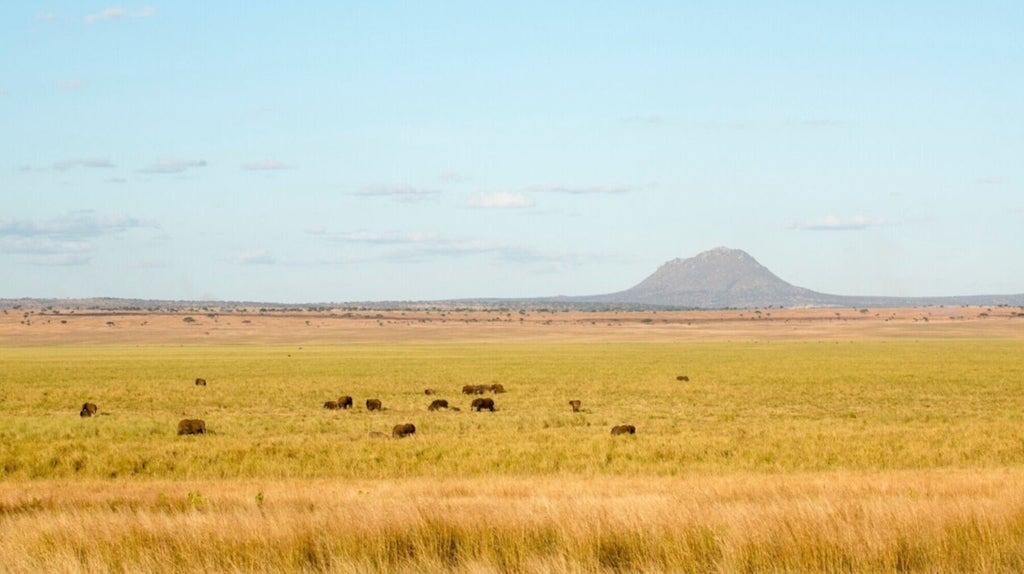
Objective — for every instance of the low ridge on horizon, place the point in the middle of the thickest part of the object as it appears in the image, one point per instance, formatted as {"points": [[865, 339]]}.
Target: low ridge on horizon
{"points": [[719, 278]]}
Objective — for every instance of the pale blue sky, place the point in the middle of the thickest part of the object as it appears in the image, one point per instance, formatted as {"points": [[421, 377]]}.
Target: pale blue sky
{"points": [[343, 151]]}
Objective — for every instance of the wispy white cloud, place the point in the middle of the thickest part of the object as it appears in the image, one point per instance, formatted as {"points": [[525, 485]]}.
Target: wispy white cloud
{"points": [[992, 180], [466, 248], [119, 13], [500, 200], [254, 257], [47, 251], [173, 165], [418, 247], [815, 122], [584, 189], [58, 260], [81, 224], [401, 193], [377, 237], [70, 85], [48, 17], [88, 162], [452, 177], [67, 240], [35, 245], [650, 119], [833, 223], [267, 165]]}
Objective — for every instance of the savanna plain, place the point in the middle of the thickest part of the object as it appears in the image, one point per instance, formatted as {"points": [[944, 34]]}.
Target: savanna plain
{"points": [[813, 440]]}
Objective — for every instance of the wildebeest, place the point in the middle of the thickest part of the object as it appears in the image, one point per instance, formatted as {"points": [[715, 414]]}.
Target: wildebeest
{"points": [[428, 391], [496, 388], [191, 426], [403, 430], [88, 409], [345, 402], [438, 404], [623, 429], [481, 404], [575, 404], [373, 405], [473, 390], [332, 405], [200, 382], [682, 378]]}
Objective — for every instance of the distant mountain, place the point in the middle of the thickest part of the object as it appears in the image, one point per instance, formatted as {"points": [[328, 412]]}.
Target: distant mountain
{"points": [[731, 278]]}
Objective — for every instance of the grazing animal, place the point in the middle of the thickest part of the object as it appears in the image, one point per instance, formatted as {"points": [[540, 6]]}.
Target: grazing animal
{"points": [[332, 405], [191, 426], [200, 382], [403, 430], [575, 404], [496, 388], [623, 429], [682, 378], [373, 405], [473, 390], [88, 409], [438, 404], [481, 404], [428, 391], [345, 402]]}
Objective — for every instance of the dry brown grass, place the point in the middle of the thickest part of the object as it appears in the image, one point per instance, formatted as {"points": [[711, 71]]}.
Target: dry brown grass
{"points": [[78, 327], [935, 521]]}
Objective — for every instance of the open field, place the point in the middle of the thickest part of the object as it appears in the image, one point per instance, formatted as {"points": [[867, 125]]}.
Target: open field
{"points": [[804, 440], [208, 325]]}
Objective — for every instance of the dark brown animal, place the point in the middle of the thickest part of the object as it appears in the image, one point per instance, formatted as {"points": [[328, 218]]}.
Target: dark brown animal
{"points": [[575, 404], [438, 404], [345, 402], [428, 391], [496, 388], [682, 378], [200, 382], [373, 405], [623, 429], [473, 390], [403, 430], [88, 409], [332, 405], [192, 426], [481, 404]]}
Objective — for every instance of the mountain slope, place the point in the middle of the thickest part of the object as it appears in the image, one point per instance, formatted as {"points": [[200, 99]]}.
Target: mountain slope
{"points": [[723, 278], [717, 278]]}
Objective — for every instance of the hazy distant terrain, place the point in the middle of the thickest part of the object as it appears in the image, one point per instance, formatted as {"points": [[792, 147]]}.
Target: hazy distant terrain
{"points": [[720, 278]]}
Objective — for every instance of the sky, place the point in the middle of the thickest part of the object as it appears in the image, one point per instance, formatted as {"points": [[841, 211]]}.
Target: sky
{"points": [[375, 150]]}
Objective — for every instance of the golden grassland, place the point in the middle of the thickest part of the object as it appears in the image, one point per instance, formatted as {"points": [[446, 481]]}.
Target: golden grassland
{"points": [[806, 440]]}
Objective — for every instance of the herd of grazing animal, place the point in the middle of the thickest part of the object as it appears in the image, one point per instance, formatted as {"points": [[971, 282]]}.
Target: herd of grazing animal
{"points": [[478, 404], [198, 426]]}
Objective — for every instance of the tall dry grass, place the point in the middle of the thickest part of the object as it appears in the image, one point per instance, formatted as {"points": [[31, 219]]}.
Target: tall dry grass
{"points": [[935, 521]]}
